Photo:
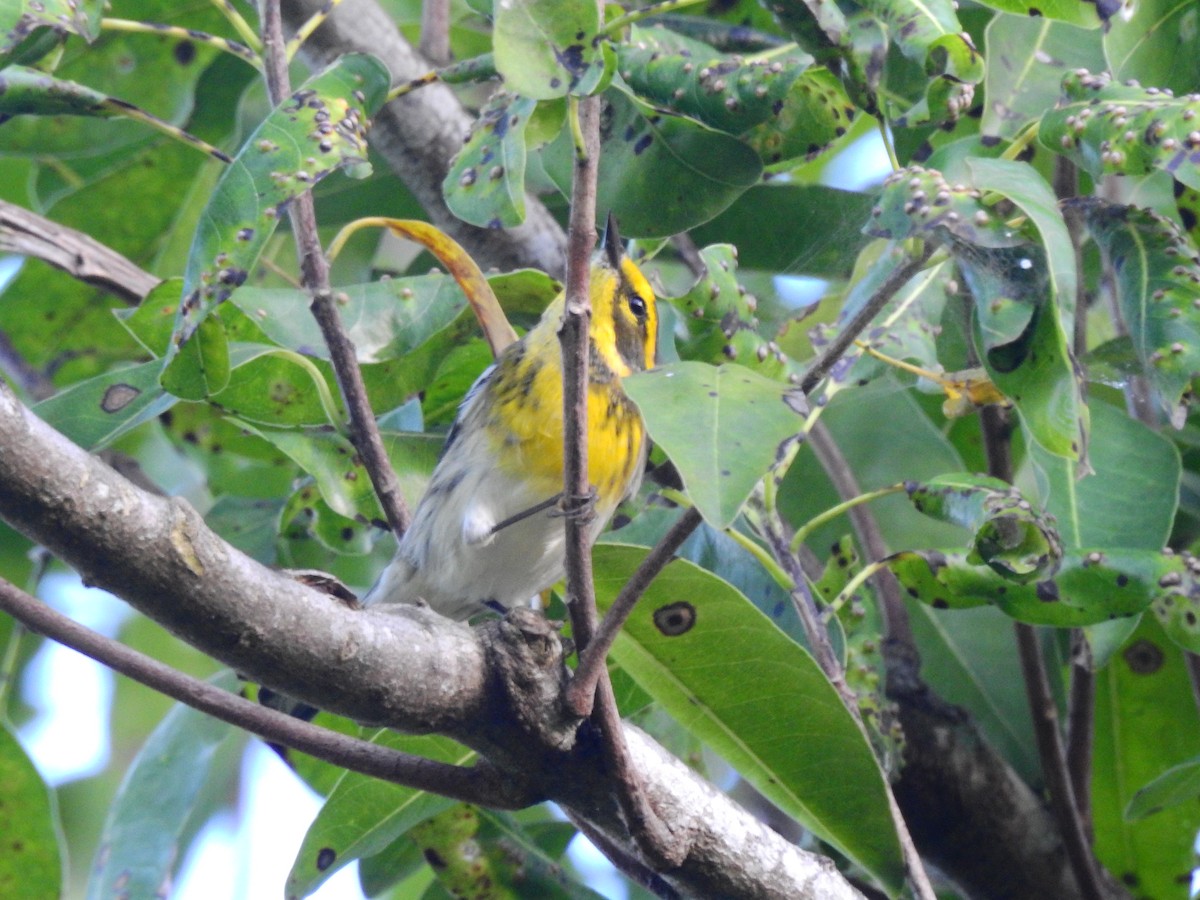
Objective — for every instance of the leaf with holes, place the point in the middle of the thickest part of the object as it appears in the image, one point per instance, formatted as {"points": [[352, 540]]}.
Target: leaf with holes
{"points": [[1157, 281], [1090, 586], [738, 425], [1010, 537], [317, 130], [685, 636]]}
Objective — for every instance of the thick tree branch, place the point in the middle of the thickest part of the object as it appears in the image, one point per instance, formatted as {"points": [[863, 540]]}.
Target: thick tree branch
{"points": [[480, 784], [80, 256], [490, 688], [419, 133]]}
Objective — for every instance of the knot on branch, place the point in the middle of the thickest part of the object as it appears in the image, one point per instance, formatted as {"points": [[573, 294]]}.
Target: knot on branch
{"points": [[525, 651]]}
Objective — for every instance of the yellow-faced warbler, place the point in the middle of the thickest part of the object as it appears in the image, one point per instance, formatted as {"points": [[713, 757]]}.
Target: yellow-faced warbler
{"points": [[487, 535]]}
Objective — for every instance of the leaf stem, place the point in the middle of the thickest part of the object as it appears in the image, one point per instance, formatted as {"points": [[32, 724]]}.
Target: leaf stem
{"points": [[833, 512], [315, 21], [655, 9], [234, 48], [240, 25]]}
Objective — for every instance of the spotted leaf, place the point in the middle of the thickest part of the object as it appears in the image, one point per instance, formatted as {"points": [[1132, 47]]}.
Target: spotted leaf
{"points": [[19, 19], [1010, 536], [320, 128], [739, 423], [486, 182], [690, 630], [1157, 283], [1119, 129], [1090, 586], [548, 48]]}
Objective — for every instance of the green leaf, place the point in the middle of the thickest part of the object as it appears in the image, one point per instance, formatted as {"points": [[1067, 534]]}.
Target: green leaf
{"points": [[1090, 586], [160, 75], [140, 847], [1010, 537], [385, 319], [822, 237], [919, 202], [725, 92], [1155, 268], [1082, 14], [1179, 784], [547, 48], [738, 424], [31, 864], [486, 182], [95, 412], [720, 319], [275, 387], [485, 853], [815, 113], [659, 174], [26, 91], [969, 656], [20, 18], [1118, 129], [335, 465], [1145, 723], [1027, 58], [1145, 43], [317, 130], [1129, 499], [687, 634], [363, 815], [201, 367]]}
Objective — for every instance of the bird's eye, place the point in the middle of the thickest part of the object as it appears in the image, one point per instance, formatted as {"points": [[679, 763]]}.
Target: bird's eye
{"points": [[637, 306]]}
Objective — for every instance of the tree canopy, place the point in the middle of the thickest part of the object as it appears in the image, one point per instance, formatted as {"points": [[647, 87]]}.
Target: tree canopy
{"points": [[906, 601]]}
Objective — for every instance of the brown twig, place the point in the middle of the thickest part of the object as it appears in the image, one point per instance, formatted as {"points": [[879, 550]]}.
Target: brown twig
{"points": [[996, 439], [80, 256], [480, 784], [581, 692], [649, 831], [364, 432], [851, 330]]}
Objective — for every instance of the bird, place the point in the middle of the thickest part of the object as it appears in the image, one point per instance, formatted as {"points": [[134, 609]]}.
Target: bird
{"points": [[487, 535]]}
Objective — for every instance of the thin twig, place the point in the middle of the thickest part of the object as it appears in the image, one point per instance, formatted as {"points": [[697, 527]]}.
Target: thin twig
{"points": [[997, 431], [364, 432], [1081, 700], [480, 784], [851, 330], [648, 830], [866, 526], [581, 692]]}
